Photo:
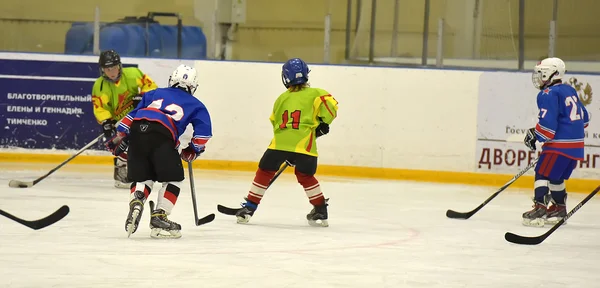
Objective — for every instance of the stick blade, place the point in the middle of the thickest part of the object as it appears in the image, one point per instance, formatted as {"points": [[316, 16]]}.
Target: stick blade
{"points": [[206, 219], [51, 219], [524, 240], [458, 215], [19, 184], [227, 210]]}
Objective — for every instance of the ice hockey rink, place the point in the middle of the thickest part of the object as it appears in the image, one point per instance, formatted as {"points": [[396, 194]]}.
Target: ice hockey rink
{"points": [[381, 234]]}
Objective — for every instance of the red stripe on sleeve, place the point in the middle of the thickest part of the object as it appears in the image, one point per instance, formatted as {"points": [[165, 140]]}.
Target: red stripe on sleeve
{"points": [[540, 130], [126, 121], [199, 141], [325, 103]]}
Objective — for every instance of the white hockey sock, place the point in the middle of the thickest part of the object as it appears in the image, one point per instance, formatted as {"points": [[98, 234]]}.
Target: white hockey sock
{"points": [[167, 196], [145, 187]]}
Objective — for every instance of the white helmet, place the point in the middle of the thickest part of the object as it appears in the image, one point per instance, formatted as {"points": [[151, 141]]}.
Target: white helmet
{"points": [[547, 71], [184, 77]]}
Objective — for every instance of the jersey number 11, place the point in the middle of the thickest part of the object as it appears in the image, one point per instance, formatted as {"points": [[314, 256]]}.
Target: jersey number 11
{"points": [[285, 117]]}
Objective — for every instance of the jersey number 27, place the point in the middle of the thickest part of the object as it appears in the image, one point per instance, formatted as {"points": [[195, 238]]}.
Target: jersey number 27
{"points": [[570, 101], [576, 111]]}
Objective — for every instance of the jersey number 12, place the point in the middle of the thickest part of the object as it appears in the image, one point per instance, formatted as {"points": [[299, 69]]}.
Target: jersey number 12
{"points": [[176, 110], [285, 117]]}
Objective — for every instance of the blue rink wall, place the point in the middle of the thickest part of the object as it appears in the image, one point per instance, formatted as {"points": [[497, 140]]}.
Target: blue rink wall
{"points": [[394, 123]]}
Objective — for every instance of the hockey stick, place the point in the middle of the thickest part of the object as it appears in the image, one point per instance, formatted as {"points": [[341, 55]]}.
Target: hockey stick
{"points": [[517, 239], [233, 211], [466, 215], [40, 223], [27, 184], [208, 218]]}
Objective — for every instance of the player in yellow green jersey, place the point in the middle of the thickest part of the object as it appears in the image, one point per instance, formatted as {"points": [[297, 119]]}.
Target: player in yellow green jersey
{"points": [[300, 115], [115, 94]]}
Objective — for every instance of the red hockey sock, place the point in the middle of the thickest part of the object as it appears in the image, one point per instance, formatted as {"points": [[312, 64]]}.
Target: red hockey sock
{"points": [[260, 185], [312, 188]]}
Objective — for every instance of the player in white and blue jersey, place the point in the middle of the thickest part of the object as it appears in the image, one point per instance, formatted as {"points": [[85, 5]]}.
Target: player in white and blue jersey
{"points": [[562, 119]]}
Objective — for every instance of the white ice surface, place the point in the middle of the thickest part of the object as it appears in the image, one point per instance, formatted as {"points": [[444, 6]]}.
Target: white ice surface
{"points": [[381, 234]]}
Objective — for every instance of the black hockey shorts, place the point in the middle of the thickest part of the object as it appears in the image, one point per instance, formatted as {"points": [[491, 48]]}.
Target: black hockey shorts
{"points": [[273, 159], [152, 154]]}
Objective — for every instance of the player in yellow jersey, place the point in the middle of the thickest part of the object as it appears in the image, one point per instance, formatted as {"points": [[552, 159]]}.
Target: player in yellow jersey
{"points": [[115, 94], [300, 115]]}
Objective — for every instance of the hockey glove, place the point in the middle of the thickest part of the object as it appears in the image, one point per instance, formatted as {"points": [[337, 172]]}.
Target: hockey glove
{"points": [[190, 154], [322, 129], [530, 139], [108, 128], [118, 145]]}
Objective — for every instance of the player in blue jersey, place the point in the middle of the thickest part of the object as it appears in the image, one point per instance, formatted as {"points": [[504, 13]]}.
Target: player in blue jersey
{"points": [[562, 119], [151, 132]]}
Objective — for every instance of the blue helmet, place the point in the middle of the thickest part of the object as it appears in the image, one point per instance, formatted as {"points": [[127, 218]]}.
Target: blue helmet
{"points": [[294, 72]]}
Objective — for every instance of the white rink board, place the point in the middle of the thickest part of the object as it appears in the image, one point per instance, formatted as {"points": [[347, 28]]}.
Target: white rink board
{"points": [[388, 117], [424, 119]]}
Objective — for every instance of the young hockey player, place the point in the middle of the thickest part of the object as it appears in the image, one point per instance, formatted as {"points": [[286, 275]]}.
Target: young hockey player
{"points": [[115, 94], [300, 115], [150, 132], [562, 119]]}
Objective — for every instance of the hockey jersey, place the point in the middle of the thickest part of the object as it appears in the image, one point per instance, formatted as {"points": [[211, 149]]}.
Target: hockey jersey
{"points": [[562, 119], [295, 117], [174, 109], [114, 100]]}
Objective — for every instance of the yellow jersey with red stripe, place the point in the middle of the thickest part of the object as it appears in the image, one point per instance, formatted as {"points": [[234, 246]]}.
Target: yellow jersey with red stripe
{"points": [[113, 100], [295, 117]]}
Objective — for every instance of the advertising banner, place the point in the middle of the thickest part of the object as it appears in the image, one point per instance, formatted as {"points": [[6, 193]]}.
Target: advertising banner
{"points": [[507, 108], [47, 104]]}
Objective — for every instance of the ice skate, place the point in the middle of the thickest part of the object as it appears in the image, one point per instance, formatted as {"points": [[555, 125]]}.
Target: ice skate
{"points": [[163, 228], [244, 214], [535, 217], [555, 213], [136, 207], [318, 215], [120, 174], [122, 185]]}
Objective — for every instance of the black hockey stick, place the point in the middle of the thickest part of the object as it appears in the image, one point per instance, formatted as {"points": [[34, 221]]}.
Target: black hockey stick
{"points": [[517, 239], [208, 218], [233, 211], [466, 215], [40, 223], [27, 184]]}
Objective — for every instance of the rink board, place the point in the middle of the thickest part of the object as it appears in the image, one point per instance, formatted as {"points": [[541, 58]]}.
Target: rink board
{"points": [[433, 125], [480, 179]]}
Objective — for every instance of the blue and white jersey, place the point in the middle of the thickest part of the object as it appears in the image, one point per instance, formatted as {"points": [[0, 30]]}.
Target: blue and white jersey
{"points": [[562, 119], [174, 109]]}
